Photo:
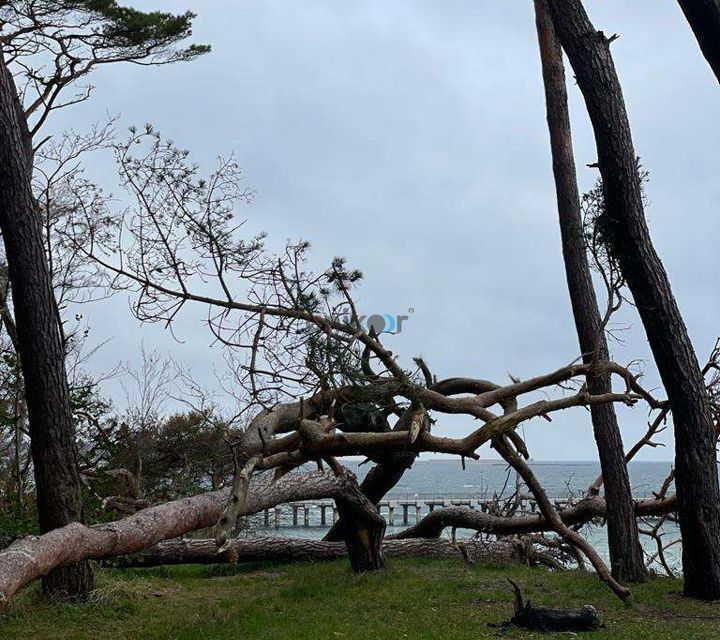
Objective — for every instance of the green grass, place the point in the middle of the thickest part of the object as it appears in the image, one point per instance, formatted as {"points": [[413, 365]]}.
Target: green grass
{"points": [[421, 599]]}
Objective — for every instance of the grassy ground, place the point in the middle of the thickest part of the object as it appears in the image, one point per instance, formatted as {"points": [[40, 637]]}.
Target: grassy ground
{"points": [[411, 599]]}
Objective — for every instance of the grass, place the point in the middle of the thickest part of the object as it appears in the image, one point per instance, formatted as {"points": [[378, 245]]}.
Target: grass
{"points": [[422, 599]]}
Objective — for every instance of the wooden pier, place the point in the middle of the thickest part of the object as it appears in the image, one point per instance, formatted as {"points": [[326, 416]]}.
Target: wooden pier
{"points": [[396, 510]]}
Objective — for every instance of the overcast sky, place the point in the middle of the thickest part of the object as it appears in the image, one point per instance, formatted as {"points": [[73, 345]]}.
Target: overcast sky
{"points": [[410, 137]]}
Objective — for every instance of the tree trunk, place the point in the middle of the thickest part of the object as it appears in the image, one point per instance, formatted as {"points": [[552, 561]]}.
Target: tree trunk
{"points": [[35, 556], [269, 549], [628, 238], [626, 558], [363, 529], [704, 19], [391, 467], [378, 482], [42, 359]]}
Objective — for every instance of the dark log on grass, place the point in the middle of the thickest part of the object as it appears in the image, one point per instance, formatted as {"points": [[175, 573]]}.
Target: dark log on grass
{"points": [[557, 620], [35, 556], [272, 549]]}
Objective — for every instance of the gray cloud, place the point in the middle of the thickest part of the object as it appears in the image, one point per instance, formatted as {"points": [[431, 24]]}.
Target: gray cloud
{"points": [[410, 137]]}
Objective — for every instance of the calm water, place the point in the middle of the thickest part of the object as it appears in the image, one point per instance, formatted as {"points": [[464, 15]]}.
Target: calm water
{"points": [[560, 479], [446, 478]]}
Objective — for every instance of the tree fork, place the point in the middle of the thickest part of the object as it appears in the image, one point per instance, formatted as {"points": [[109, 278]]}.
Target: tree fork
{"points": [[378, 482]]}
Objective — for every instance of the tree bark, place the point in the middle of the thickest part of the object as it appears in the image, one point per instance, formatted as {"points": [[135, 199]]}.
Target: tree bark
{"points": [[626, 558], [363, 530], [389, 469], [41, 353], [628, 238], [268, 549], [704, 19], [434, 523], [378, 482], [35, 556]]}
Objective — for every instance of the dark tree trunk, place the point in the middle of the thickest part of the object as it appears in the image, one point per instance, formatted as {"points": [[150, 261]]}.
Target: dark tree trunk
{"points": [[626, 558], [41, 354], [378, 482], [704, 19], [629, 240], [363, 530]]}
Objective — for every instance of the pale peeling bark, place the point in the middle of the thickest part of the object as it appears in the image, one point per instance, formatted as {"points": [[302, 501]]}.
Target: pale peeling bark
{"points": [[35, 556], [236, 504], [274, 549]]}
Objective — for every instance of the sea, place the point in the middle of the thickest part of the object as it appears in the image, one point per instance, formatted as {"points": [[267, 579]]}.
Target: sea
{"points": [[446, 478]]}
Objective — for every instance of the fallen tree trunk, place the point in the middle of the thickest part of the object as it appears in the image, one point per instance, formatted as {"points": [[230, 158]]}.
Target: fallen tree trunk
{"points": [[433, 524], [272, 549], [35, 556]]}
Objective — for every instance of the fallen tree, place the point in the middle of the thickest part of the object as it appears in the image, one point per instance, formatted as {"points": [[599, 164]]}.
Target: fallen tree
{"points": [[587, 509], [35, 556], [503, 445], [205, 551], [326, 383]]}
